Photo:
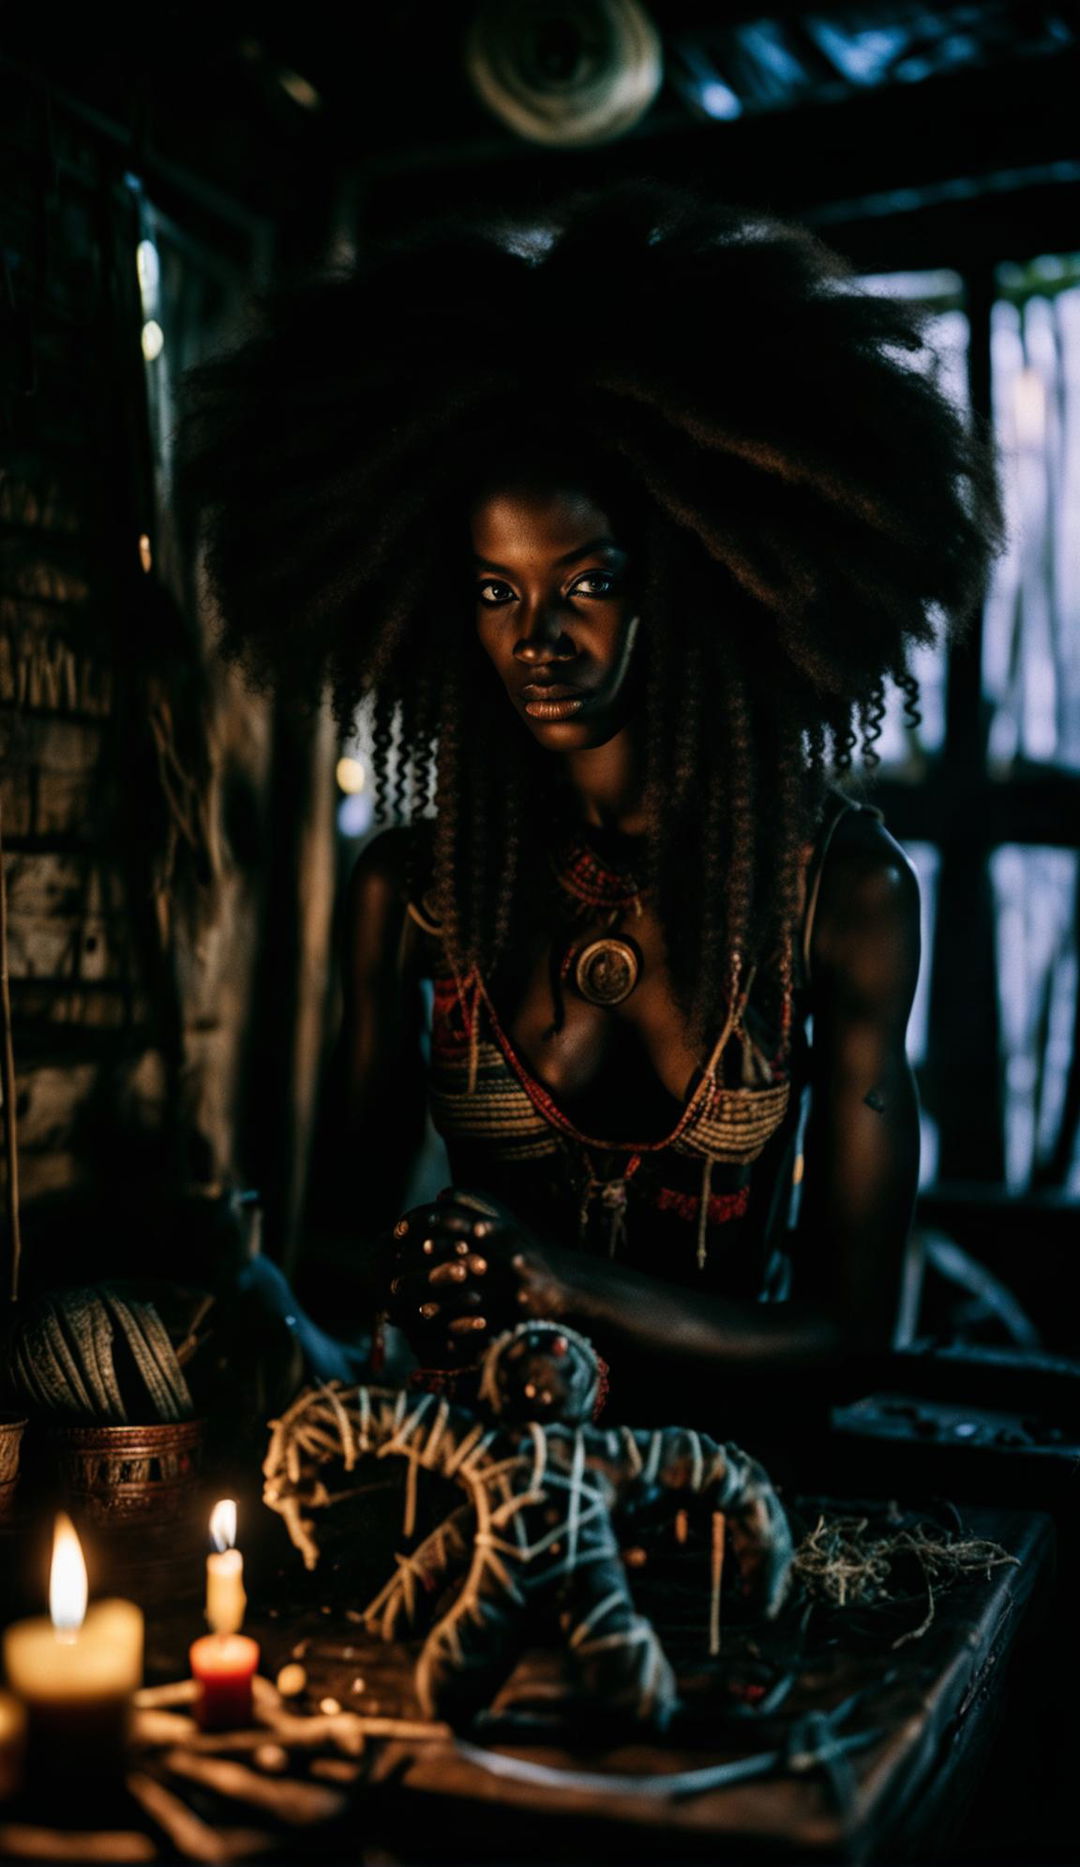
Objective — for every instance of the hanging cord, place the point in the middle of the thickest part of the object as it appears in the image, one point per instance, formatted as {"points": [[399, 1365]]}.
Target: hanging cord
{"points": [[614, 1198], [474, 1035], [738, 999], [469, 992], [703, 1212]]}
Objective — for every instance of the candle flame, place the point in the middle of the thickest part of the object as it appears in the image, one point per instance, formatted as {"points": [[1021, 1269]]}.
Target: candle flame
{"points": [[223, 1524], [67, 1580]]}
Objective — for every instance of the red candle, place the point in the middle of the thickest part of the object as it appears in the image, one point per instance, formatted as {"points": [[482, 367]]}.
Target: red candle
{"points": [[224, 1665]]}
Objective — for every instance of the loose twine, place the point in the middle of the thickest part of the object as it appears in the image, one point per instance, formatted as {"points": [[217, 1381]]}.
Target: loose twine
{"points": [[843, 1563]]}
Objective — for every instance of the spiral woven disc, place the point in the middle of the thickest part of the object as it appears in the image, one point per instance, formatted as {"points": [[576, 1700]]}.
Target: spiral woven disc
{"points": [[565, 72]]}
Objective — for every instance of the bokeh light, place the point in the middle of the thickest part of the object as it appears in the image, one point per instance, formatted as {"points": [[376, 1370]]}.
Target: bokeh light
{"points": [[351, 776]]}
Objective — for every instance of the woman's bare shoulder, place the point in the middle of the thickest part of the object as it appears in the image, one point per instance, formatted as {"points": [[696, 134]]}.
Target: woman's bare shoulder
{"points": [[386, 858], [866, 928], [396, 862], [382, 883]]}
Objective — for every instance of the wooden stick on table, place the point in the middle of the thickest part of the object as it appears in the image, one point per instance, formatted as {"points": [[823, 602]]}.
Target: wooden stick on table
{"points": [[189, 1834], [157, 1697], [28, 1842], [343, 1731], [297, 1803]]}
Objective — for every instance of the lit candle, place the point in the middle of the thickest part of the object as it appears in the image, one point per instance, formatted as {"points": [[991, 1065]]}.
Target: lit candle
{"points": [[76, 1670], [225, 1597], [224, 1660]]}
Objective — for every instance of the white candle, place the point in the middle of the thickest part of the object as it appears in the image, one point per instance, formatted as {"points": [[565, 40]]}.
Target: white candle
{"points": [[224, 1660], [225, 1597], [76, 1669]]}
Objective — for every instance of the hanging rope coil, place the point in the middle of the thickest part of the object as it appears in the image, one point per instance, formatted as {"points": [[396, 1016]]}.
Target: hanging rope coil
{"points": [[63, 1362]]}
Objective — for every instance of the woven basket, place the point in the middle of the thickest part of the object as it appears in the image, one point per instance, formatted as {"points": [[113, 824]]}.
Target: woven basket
{"points": [[114, 1474], [11, 1432]]}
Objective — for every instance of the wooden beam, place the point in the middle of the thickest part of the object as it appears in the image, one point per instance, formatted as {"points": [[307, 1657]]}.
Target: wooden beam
{"points": [[1017, 115], [1028, 804], [963, 1064]]}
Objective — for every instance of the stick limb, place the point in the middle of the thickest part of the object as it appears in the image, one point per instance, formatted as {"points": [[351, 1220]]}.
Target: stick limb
{"points": [[719, 1529]]}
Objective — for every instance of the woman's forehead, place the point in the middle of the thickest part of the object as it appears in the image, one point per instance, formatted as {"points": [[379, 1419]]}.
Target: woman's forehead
{"points": [[553, 516]]}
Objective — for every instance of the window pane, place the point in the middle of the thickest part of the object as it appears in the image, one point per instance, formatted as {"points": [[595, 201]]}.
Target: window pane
{"points": [[941, 294], [1035, 893], [193, 301], [1031, 645], [927, 861]]}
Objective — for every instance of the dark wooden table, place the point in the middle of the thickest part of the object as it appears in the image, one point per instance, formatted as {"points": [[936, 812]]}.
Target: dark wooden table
{"points": [[870, 1753]]}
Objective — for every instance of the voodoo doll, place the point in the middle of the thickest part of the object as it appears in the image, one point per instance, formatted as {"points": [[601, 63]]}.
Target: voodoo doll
{"points": [[536, 1536]]}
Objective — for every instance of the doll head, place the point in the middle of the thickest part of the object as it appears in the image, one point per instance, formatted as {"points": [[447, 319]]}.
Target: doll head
{"points": [[541, 1371]]}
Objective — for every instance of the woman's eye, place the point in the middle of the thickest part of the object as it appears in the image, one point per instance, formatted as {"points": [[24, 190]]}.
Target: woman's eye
{"points": [[493, 592], [594, 583]]}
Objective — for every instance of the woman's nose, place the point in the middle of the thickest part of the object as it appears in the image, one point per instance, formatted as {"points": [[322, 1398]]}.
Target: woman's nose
{"points": [[543, 637]]}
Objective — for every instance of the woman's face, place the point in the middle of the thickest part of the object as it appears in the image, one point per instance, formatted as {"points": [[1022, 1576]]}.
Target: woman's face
{"points": [[555, 612]]}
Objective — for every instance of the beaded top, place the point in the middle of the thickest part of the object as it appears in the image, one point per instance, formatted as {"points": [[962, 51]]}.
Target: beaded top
{"points": [[489, 1106], [483, 1091]]}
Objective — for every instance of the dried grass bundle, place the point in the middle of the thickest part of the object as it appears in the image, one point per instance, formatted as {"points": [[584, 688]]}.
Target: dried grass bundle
{"points": [[846, 1564]]}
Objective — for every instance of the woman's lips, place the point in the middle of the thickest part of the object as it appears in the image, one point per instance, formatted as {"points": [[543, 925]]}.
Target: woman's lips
{"points": [[552, 703], [555, 709]]}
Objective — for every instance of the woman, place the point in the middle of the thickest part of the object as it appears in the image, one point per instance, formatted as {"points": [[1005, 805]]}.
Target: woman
{"points": [[624, 524]]}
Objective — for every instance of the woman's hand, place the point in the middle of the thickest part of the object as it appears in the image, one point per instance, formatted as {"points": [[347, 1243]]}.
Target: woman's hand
{"points": [[464, 1270]]}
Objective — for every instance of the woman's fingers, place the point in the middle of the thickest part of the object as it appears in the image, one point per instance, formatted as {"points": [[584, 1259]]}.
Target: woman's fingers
{"points": [[452, 1283], [449, 1274], [437, 1254], [424, 1220], [468, 1325], [473, 1261], [450, 1302], [452, 1272]]}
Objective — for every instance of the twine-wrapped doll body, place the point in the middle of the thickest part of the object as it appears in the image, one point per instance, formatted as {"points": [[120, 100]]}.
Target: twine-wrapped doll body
{"points": [[537, 1536]]}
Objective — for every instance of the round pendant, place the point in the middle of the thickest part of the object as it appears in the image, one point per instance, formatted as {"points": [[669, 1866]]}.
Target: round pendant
{"points": [[607, 970]]}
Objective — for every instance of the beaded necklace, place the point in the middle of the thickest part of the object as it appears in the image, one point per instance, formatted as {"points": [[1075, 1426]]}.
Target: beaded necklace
{"points": [[605, 969]]}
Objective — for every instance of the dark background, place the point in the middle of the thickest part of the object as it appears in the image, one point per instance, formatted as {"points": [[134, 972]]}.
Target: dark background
{"points": [[172, 849]]}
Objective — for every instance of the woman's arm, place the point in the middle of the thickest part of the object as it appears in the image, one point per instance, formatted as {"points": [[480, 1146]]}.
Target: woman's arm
{"points": [[382, 1074], [862, 1140]]}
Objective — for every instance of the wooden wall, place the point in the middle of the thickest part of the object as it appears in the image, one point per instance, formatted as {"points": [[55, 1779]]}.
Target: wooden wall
{"points": [[135, 772]]}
